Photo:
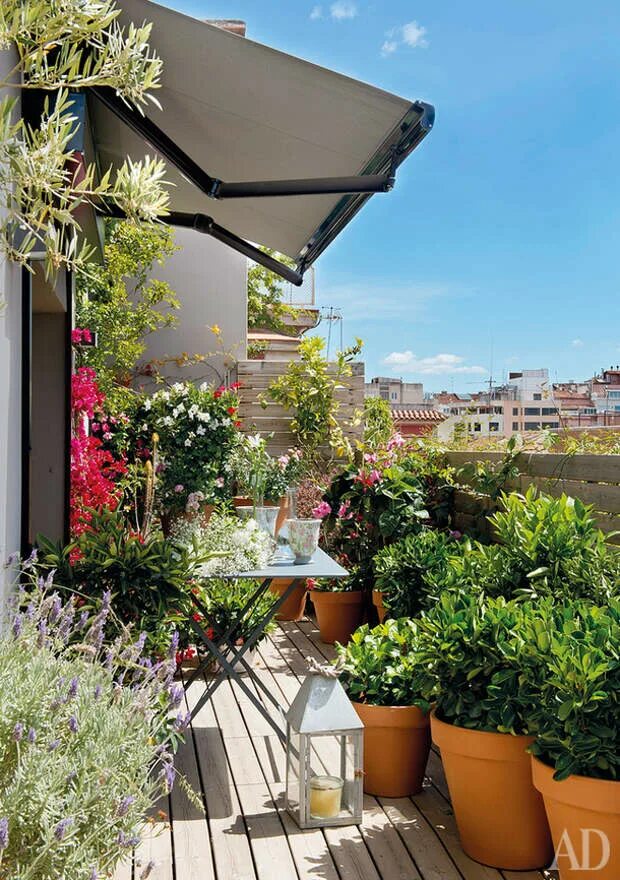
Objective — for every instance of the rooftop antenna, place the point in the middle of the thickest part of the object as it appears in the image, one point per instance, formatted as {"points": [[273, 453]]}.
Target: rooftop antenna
{"points": [[331, 314]]}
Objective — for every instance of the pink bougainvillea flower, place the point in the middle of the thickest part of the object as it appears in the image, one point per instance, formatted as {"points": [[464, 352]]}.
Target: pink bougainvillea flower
{"points": [[396, 441], [343, 510], [219, 482], [178, 488], [370, 457], [321, 510]]}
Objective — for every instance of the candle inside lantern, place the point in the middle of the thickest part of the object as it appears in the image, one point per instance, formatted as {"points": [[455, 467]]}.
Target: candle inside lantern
{"points": [[325, 796]]}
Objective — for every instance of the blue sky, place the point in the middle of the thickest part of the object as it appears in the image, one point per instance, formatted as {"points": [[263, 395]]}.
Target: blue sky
{"points": [[500, 245]]}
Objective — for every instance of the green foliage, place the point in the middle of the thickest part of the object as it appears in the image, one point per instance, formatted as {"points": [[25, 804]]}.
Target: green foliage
{"points": [[149, 579], [265, 289], [72, 45], [378, 665], [82, 758], [491, 478], [123, 304], [467, 664], [378, 422], [576, 716], [552, 545], [224, 602], [309, 388], [412, 571]]}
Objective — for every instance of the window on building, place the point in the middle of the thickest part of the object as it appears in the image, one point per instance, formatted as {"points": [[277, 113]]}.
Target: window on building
{"points": [[515, 426], [531, 411], [537, 396], [551, 424], [515, 410], [549, 410], [477, 426], [394, 395], [498, 410], [494, 427], [614, 395], [532, 426], [384, 395]]}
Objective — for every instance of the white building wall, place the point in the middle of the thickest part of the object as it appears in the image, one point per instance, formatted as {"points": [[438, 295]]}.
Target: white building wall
{"points": [[10, 399], [210, 281]]}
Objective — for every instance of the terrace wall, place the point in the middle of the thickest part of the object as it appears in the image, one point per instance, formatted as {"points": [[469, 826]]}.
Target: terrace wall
{"points": [[595, 479]]}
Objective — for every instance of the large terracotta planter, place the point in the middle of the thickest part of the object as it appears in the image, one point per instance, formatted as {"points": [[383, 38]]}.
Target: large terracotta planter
{"points": [[338, 614], [294, 607], [377, 601], [584, 815], [397, 740], [500, 815]]}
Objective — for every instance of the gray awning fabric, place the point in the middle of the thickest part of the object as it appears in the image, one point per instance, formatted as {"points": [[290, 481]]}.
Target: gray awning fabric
{"points": [[243, 111]]}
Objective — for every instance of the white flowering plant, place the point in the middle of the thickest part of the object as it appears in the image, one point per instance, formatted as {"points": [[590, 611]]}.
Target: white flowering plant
{"points": [[260, 475], [85, 729], [234, 545], [196, 428]]}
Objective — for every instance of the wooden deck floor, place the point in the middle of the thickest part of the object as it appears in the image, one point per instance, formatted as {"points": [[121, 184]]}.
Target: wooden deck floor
{"points": [[234, 758]]}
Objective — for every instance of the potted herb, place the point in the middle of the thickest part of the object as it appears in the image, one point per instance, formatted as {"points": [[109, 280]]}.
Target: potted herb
{"points": [[576, 716], [410, 571], [469, 662], [378, 673]]}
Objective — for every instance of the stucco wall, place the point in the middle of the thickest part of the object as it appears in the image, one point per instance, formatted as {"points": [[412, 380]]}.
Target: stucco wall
{"points": [[210, 280]]}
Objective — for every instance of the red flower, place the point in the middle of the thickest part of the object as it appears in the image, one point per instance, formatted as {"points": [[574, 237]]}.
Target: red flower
{"points": [[197, 617], [231, 410]]}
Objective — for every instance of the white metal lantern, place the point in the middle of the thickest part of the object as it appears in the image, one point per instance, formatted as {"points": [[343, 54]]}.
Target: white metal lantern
{"points": [[324, 756]]}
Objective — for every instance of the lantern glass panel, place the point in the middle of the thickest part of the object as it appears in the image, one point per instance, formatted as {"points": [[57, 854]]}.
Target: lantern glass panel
{"points": [[293, 758], [332, 785]]}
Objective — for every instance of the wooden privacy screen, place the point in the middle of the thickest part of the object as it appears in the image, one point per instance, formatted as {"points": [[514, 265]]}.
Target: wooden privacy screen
{"points": [[595, 479], [256, 376]]}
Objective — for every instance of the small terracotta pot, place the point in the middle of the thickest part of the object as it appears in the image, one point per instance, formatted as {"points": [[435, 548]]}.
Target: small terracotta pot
{"points": [[500, 815], [294, 607], [584, 815], [377, 601], [338, 614], [397, 740]]}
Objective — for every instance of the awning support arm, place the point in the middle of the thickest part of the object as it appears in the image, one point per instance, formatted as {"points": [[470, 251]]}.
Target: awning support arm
{"points": [[208, 226], [219, 189]]}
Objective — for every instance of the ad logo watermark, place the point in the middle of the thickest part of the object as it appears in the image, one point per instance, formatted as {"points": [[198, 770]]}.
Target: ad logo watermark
{"points": [[592, 855]]}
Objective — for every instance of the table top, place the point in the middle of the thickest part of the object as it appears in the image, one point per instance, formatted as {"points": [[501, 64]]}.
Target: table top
{"points": [[321, 566]]}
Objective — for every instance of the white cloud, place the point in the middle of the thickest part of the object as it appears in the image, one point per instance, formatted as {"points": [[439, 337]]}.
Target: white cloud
{"points": [[342, 9], [414, 35], [388, 47], [436, 365], [317, 12], [577, 343], [411, 34]]}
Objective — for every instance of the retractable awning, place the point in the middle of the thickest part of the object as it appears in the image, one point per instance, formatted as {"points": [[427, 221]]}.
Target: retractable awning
{"points": [[261, 146]]}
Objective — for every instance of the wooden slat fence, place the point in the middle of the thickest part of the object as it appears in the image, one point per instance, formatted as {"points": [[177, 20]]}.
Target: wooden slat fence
{"points": [[256, 376], [595, 479]]}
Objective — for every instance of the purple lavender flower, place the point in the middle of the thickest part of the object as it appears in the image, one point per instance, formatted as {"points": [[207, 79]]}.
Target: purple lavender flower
{"points": [[56, 609], [181, 722], [73, 687], [66, 621], [93, 874], [147, 870], [124, 840], [176, 695], [70, 777], [4, 833], [32, 735], [73, 724], [174, 645], [11, 559], [17, 626], [125, 804], [30, 562], [42, 637], [169, 775], [53, 745], [18, 732], [82, 621], [62, 827], [98, 691], [106, 600]]}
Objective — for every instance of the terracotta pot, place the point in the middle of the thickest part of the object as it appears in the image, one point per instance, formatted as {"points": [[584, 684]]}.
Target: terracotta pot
{"points": [[338, 614], [294, 607], [168, 519], [584, 815], [397, 740], [377, 601], [500, 815]]}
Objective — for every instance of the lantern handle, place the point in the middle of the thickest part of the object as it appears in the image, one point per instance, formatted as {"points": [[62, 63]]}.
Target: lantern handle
{"points": [[327, 670]]}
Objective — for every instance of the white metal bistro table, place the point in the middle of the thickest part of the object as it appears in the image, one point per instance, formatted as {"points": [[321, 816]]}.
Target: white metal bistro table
{"points": [[223, 647]]}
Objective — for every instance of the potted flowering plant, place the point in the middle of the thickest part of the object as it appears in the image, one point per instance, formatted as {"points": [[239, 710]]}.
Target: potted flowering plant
{"points": [[195, 429], [378, 672]]}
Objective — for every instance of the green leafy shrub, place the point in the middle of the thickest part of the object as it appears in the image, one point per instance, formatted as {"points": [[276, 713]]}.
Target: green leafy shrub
{"points": [[224, 602], [378, 665], [575, 672], [412, 570], [148, 578], [468, 662], [83, 729]]}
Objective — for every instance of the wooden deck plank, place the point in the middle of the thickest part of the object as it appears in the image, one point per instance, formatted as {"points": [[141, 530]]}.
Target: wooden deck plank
{"points": [[124, 870], [418, 835], [156, 848]]}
